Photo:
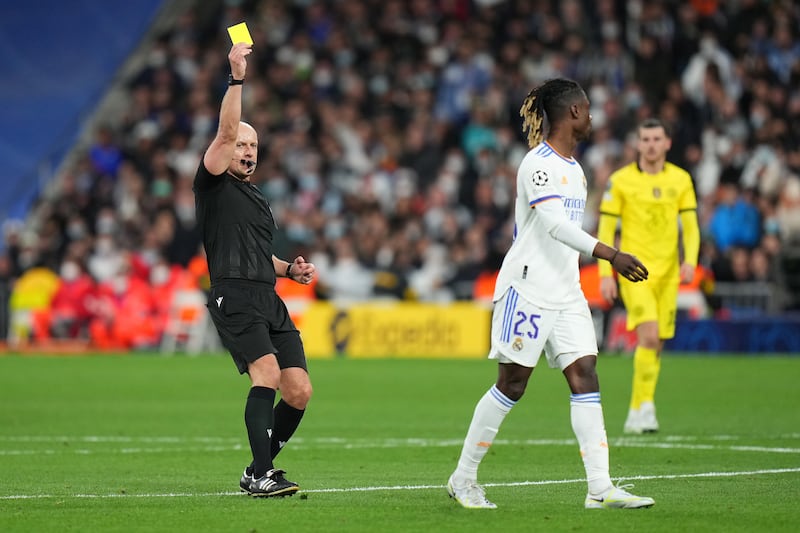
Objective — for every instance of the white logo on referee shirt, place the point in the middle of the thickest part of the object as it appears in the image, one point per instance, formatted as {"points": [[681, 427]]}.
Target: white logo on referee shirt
{"points": [[219, 301]]}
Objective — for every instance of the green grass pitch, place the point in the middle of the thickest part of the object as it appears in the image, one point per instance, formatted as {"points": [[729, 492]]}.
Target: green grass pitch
{"points": [[152, 443]]}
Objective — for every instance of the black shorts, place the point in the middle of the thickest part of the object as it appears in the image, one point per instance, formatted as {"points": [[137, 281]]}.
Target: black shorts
{"points": [[253, 321]]}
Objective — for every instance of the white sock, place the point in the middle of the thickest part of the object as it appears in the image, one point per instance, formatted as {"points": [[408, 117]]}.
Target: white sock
{"points": [[490, 412], [586, 414]]}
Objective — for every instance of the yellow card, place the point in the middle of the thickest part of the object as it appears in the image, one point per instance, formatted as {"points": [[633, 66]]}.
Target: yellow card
{"points": [[240, 34]]}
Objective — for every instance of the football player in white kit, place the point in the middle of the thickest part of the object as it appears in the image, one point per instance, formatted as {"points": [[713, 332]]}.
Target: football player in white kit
{"points": [[539, 305]]}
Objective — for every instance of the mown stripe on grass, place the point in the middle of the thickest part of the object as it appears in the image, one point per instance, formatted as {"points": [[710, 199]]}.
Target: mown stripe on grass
{"points": [[212, 444]]}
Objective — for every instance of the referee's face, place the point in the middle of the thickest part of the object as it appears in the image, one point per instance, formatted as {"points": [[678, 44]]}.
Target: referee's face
{"points": [[245, 153]]}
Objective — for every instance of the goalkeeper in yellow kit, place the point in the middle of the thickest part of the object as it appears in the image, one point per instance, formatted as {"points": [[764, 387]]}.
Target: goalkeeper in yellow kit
{"points": [[649, 199]]}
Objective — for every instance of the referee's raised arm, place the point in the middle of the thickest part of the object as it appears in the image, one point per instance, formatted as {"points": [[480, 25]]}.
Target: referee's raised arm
{"points": [[220, 152]]}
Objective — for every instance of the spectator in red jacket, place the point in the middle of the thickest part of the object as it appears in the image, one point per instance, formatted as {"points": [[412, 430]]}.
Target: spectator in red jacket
{"points": [[124, 315], [68, 315]]}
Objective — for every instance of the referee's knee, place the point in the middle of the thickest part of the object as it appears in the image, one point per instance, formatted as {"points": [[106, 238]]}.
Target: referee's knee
{"points": [[297, 395]]}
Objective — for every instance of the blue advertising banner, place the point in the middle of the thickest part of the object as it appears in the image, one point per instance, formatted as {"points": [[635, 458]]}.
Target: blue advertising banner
{"points": [[779, 334]]}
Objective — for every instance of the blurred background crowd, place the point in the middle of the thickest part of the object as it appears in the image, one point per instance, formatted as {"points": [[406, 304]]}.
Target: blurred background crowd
{"points": [[390, 138]]}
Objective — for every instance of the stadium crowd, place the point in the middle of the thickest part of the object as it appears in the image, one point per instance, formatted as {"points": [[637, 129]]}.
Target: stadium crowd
{"points": [[390, 137]]}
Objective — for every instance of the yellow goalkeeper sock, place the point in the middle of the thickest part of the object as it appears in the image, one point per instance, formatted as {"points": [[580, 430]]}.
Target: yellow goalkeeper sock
{"points": [[646, 367]]}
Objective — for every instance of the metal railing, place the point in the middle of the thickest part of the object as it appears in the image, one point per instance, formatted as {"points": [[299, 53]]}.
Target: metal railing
{"points": [[750, 297]]}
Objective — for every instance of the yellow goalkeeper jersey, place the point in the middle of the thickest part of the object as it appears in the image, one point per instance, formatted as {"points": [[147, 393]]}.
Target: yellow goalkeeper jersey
{"points": [[649, 207]]}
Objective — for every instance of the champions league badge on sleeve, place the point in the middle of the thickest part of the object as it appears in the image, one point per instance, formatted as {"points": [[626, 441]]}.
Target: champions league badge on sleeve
{"points": [[540, 177]]}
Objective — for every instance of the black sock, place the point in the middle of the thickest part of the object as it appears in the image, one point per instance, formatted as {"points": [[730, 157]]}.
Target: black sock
{"points": [[259, 419], [287, 418]]}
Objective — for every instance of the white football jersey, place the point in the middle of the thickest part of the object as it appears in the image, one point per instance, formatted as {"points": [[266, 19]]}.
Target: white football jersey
{"points": [[541, 269]]}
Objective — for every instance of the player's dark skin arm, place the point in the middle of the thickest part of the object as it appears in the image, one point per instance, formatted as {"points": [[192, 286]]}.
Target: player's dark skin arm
{"points": [[624, 263], [581, 375]]}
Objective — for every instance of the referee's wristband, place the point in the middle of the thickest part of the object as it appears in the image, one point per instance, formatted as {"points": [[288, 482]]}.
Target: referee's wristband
{"points": [[232, 81], [289, 270]]}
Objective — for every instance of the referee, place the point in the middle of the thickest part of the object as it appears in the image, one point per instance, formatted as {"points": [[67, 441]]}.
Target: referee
{"points": [[252, 321]]}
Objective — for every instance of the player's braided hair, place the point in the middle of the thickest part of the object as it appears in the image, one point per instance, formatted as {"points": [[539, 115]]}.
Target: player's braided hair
{"points": [[551, 99]]}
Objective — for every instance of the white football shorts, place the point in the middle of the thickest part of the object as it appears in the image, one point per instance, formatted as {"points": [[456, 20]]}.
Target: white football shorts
{"points": [[521, 331]]}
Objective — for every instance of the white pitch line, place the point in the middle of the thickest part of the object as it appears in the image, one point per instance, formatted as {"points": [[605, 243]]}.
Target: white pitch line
{"points": [[166, 439], [112, 438], [405, 487], [212, 445], [670, 446], [125, 451]]}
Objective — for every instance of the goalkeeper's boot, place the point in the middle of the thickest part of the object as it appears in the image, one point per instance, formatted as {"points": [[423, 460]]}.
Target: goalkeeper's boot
{"points": [[470, 495], [647, 418], [272, 484], [618, 498]]}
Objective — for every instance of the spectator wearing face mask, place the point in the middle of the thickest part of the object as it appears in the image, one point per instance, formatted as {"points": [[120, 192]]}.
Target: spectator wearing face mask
{"points": [[123, 313], [68, 314], [710, 53], [104, 259], [165, 281]]}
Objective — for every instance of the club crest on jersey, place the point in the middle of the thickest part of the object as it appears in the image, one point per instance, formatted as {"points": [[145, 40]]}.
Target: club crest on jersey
{"points": [[656, 192], [517, 345]]}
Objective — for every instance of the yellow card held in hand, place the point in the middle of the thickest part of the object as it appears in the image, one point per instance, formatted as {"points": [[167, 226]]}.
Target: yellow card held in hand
{"points": [[240, 34]]}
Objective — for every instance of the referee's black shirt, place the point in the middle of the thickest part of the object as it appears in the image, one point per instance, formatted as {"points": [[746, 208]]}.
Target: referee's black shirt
{"points": [[237, 227]]}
